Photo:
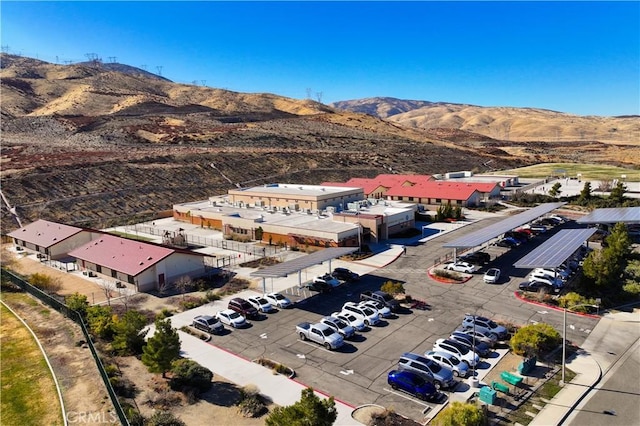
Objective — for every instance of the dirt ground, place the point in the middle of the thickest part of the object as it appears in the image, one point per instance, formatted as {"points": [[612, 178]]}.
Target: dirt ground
{"points": [[82, 388]]}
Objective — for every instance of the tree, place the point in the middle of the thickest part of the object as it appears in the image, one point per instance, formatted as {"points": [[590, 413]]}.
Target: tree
{"points": [[128, 331], [309, 411], [77, 302], [188, 374], [460, 414], [606, 266], [555, 189], [585, 194], [534, 339], [392, 288], [162, 348], [100, 320], [617, 193], [184, 284]]}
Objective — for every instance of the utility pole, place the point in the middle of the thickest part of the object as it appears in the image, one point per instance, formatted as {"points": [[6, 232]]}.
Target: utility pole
{"points": [[112, 59]]}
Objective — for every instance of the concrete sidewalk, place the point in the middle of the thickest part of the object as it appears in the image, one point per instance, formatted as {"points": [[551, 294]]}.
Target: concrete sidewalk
{"points": [[282, 390], [614, 334]]}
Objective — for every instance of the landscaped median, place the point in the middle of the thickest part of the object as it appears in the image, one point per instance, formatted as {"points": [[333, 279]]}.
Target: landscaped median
{"points": [[448, 277]]}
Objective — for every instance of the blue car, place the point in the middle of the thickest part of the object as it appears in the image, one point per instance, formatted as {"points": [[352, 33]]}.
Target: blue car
{"points": [[412, 383]]}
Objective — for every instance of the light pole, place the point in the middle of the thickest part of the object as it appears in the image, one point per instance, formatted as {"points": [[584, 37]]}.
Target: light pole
{"points": [[564, 335]]}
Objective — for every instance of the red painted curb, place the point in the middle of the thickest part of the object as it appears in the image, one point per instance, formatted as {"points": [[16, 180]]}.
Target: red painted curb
{"points": [[444, 281], [555, 308]]}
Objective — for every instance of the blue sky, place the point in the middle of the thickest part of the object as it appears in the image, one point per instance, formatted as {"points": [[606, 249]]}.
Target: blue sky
{"points": [[576, 57]]}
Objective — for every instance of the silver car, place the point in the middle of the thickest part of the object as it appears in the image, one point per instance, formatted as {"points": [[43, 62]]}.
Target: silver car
{"points": [[441, 377], [459, 368]]}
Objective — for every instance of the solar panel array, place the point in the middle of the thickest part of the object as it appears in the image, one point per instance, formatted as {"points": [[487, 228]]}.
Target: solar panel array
{"points": [[556, 249], [295, 265], [481, 236], [612, 215]]}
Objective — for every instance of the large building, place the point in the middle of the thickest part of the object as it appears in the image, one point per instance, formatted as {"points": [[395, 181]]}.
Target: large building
{"points": [[146, 266], [51, 239], [336, 216]]}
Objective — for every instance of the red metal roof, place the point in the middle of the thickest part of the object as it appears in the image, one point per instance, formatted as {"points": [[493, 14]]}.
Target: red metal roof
{"points": [[436, 189], [44, 233], [127, 256]]}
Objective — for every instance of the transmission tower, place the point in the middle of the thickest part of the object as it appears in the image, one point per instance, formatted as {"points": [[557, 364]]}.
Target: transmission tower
{"points": [[5, 48], [112, 59], [143, 66], [204, 82], [159, 68]]}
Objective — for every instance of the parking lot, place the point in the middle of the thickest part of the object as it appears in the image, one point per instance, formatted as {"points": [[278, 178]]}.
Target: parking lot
{"points": [[356, 373]]}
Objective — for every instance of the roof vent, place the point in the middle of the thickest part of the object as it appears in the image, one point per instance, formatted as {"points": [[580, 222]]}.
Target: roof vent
{"points": [[55, 238], [149, 258], [141, 263]]}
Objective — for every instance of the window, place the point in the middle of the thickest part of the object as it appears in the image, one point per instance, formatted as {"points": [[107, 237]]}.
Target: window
{"points": [[99, 269], [130, 279], [114, 274]]}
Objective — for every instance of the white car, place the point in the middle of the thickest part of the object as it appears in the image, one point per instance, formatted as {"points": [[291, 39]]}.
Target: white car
{"points": [[383, 310], [546, 278], [459, 266], [277, 299], [231, 318], [365, 313], [561, 273], [327, 279], [491, 276], [350, 319], [457, 349], [449, 360], [261, 304], [483, 324]]}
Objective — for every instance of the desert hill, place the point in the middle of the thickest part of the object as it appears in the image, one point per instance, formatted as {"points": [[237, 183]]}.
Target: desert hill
{"points": [[93, 145], [507, 123]]}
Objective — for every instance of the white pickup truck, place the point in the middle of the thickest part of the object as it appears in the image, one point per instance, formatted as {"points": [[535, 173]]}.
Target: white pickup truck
{"points": [[320, 333]]}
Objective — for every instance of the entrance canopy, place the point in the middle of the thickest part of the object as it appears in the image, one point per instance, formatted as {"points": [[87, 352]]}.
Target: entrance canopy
{"points": [[283, 269], [481, 236], [612, 215], [556, 249]]}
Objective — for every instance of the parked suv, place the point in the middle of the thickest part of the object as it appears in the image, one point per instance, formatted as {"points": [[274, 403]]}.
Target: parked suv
{"points": [[478, 257], [243, 307], [365, 313], [345, 274], [441, 377]]}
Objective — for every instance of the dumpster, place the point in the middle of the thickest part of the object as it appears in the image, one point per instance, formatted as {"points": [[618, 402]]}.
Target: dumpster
{"points": [[527, 365], [487, 395]]}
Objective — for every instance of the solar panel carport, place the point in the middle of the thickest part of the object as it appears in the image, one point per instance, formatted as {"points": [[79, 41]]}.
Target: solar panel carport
{"points": [[556, 249], [297, 265], [492, 231], [612, 215]]}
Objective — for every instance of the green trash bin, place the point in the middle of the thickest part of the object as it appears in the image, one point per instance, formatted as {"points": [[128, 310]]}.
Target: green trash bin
{"points": [[487, 395]]}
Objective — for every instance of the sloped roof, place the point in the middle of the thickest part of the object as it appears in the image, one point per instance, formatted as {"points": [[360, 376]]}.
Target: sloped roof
{"points": [[44, 233], [436, 189], [127, 256]]}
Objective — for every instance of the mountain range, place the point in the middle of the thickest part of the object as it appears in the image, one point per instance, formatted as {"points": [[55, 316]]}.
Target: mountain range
{"points": [[94, 143]]}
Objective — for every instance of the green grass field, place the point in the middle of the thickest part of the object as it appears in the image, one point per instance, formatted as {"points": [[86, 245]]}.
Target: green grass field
{"points": [[29, 395], [588, 171]]}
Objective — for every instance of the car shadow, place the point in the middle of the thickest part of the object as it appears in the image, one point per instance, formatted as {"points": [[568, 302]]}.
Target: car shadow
{"points": [[357, 338], [483, 365], [260, 317], [347, 348], [381, 324], [225, 331]]}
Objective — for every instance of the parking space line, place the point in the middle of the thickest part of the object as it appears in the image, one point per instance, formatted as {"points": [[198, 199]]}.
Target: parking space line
{"points": [[417, 401]]}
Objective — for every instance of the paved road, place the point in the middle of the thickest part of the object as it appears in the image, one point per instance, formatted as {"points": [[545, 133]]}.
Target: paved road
{"points": [[616, 399]]}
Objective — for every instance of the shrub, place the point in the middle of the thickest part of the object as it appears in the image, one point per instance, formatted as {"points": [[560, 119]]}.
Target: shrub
{"points": [[459, 413], [392, 287], [210, 296], [450, 275], [77, 302], [572, 302], [251, 403], [164, 418], [45, 282], [534, 339], [188, 374]]}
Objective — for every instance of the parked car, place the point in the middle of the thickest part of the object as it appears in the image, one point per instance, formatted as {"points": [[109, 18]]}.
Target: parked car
{"points": [[455, 364], [462, 352], [365, 313], [207, 323], [481, 348], [350, 319], [327, 279], [482, 336], [521, 237], [277, 299], [319, 286], [535, 228], [441, 377], [477, 257], [322, 334], [485, 324], [491, 276], [261, 304], [508, 242], [546, 278], [344, 329], [383, 297], [561, 273], [243, 307], [345, 274], [537, 286], [383, 310], [460, 266], [413, 384], [231, 318]]}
